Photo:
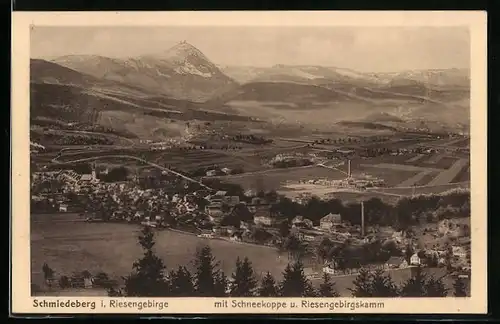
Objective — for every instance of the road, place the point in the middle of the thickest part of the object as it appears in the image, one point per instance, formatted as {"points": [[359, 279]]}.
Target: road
{"points": [[136, 159], [332, 168]]}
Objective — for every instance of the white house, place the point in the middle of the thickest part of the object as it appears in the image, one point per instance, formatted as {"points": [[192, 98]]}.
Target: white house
{"points": [[63, 208], [329, 268], [396, 262], [330, 220], [88, 282], [459, 252], [415, 260], [211, 173]]}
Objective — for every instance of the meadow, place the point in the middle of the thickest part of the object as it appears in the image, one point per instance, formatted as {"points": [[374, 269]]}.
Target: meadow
{"points": [[275, 179], [70, 246]]}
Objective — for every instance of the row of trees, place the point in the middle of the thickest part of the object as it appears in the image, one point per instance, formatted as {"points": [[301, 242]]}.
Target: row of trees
{"points": [[374, 139], [65, 139], [252, 139], [407, 211], [150, 279]]}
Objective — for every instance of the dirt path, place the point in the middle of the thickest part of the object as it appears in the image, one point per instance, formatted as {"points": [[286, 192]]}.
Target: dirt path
{"points": [[448, 175], [416, 178]]}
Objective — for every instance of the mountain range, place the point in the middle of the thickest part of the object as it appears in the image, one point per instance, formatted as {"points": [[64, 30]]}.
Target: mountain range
{"points": [[183, 81]]}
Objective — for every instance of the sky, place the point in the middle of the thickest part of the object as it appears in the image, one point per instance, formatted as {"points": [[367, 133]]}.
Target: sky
{"points": [[366, 49]]}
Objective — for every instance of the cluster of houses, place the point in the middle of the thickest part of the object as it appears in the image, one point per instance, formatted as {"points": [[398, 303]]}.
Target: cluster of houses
{"points": [[420, 258], [212, 215]]}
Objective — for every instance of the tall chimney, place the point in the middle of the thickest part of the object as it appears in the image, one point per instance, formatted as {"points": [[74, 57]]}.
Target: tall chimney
{"points": [[349, 168], [362, 219]]}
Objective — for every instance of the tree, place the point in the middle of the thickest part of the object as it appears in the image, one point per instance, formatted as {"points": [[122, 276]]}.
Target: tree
{"points": [[408, 252], [415, 286], [284, 228], [382, 285], [295, 283], [181, 283], [268, 286], [327, 287], [101, 279], [148, 278], [64, 282], [324, 248], [294, 247], [220, 284], [459, 288], [362, 284], [244, 282], [48, 274], [435, 288], [206, 272]]}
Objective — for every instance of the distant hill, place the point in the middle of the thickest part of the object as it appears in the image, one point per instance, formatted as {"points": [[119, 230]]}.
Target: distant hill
{"points": [[307, 74], [181, 72], [282, 92], [182, 83], [434, 77], [46, 72], [382, 117]]}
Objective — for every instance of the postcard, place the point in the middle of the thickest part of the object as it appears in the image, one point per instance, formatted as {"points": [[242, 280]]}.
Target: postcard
{"points": [[249, 162]]}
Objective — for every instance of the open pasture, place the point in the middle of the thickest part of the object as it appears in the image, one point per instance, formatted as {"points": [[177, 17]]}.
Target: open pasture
{"points": [[463, 143], [357, 196], [463, 175], [70, 246], [182, 160], [191, 160], [391, 177], [449, 175], [434, 161], [275, 179], [408, 191]]}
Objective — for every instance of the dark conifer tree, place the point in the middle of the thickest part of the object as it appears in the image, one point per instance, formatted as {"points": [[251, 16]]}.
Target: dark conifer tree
{"points": [[435, 288], [206, 272], [415, 286], [295, 283], [268, 286], [148, 278], [459, 288], [382, 285], [362, 285], [181, 283], [220, 284], [244, 282], [327, 287]]}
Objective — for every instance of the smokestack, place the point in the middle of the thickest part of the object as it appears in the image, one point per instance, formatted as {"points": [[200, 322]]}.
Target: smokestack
{"points": [[362, 219], [349, 168]]}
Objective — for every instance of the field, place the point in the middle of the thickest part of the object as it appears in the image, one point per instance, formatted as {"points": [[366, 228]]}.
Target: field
{"points": [[69, 246], [422, 190], [448, 175], [274, 179], [182, 160]]}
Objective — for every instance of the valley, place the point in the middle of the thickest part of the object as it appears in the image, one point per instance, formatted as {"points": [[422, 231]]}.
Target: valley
{"points": [[157, 138]]}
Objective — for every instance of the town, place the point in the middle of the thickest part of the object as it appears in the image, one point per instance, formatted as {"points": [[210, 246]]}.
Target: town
{"points": [[331, 238], [171, 163]]}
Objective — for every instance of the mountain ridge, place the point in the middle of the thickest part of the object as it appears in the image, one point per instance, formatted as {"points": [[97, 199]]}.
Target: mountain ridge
{"points": [[181, 72]]}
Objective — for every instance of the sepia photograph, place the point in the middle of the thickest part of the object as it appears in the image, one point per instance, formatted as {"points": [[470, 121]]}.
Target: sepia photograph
{"points": [[269, 161]]}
